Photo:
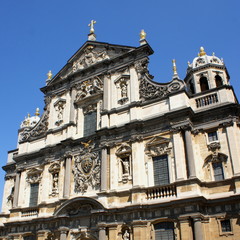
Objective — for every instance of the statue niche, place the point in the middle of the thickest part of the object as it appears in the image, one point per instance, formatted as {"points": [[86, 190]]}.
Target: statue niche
{"points": [[54, 170], [122, 89], [125, 169]]}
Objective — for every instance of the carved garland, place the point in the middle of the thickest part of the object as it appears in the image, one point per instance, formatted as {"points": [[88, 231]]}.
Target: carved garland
{"points": [[34, 175]]}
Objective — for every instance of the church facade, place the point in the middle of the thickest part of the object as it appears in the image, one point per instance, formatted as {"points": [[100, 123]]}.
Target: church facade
{"points": [[118, 156]]}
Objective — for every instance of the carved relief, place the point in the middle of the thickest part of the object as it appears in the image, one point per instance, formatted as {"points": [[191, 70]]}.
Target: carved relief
{"points": [[54, 169], [122, 86], [89, 58], [86, 169], [141, 67], [150, 90], [90, 108], [88, 88], [125, 166], [59, 108], [158, 146], [34, 175]]}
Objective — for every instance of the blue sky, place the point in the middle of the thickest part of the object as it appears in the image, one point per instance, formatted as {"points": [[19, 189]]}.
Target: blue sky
{"points": [[37, 36]]}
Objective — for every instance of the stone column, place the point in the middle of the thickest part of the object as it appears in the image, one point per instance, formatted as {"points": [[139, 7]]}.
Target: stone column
{"points": [[234, 147], [72, 109], [185, 228], [63, 233], [67, 177], [190, 154], [104, 170], [140, 230], [198, 229], [102, 231], [16, 190], [179, 156]]}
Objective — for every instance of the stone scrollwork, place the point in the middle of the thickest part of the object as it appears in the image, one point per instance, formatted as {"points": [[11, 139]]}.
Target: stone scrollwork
{"points": [[158, 146], [89, 58], [86, 169], [88, 88], [150, 90], [40, 128], [34, 175], [141, 67]]}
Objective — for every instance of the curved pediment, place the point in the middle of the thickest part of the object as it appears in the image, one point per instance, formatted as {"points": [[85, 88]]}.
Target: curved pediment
{"points": [[79, 206]]}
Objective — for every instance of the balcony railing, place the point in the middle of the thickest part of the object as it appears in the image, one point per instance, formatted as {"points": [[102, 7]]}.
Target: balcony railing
{"points": [[206, 100], [30, 213], [161, 192]]}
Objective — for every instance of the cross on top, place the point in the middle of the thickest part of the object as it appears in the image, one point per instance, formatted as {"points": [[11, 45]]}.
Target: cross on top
{"points": [[91, 25]]}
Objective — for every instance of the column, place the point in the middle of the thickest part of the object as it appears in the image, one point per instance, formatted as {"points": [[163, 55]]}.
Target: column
{"points": [[102, 232], [190, 154], [179, 156], [233, 146], [104, 170], [16, 190], [106, 92], [63, 233], [72, 109], [140, 230], [67, 178], [186, 228], [198, 229]]}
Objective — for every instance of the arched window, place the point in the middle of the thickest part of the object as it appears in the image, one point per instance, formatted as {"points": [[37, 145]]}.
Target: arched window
{"points": [[191, 87], [218, 81], [204, 84], [164, 230]]}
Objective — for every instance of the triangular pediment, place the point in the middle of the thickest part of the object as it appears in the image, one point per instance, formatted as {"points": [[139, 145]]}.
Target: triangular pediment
{"points": [[90, 54]]}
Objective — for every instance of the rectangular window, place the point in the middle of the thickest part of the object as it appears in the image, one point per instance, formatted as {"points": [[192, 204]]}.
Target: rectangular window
{"points": [[226, 226], [90, 123], [164, 231], [160, 170], [218, 171], [33, 201], [212, 136]]}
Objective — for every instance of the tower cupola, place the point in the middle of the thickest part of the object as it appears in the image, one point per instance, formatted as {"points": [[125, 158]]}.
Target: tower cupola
{"points": [[206, 72]]}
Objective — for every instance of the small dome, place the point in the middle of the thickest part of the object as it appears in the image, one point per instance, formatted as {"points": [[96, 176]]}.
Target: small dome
{"points": [[30, 122], [204, 59]]}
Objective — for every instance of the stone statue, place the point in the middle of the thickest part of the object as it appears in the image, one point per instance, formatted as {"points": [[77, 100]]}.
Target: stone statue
{"points": [[126, 235]]}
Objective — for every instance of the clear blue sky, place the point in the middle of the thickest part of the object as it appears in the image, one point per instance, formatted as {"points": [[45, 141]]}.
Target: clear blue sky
{"points": [[37, 36]]}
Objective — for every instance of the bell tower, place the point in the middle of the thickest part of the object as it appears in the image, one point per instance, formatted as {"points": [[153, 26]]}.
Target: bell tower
{"points": [[205, 73]]}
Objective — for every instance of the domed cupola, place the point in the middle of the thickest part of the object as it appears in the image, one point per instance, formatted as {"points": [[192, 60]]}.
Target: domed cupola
{"points": [[30, 122], [205, 73]]}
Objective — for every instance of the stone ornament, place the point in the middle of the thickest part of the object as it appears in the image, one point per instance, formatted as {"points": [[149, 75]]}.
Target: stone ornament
{"points": [[88, 88], [122, 86], [124, 154], [158, 146], [59, 108], [40, 128], [89, 58], [34, 175], [151, 90], [90, 108], [86, 169], [54, 169]]}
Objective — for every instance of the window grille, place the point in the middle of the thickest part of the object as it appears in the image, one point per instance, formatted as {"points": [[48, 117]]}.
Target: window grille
{"points": [[226, 225], [161, 171], [90, 123], [164, 231], [33, 201]]}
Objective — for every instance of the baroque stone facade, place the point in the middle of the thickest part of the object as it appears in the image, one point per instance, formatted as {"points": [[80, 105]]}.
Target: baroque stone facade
{"points": [[118, 156]]}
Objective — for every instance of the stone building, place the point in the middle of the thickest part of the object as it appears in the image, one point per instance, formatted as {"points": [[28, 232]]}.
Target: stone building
{"points": [[118, 156]]}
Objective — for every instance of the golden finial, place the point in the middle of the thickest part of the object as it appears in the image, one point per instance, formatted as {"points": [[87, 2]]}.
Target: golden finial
{"points": [[37, 112], [28, 120], [174, 67], [49, 75], [142, 35], [91, 25], [202, 52]]}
